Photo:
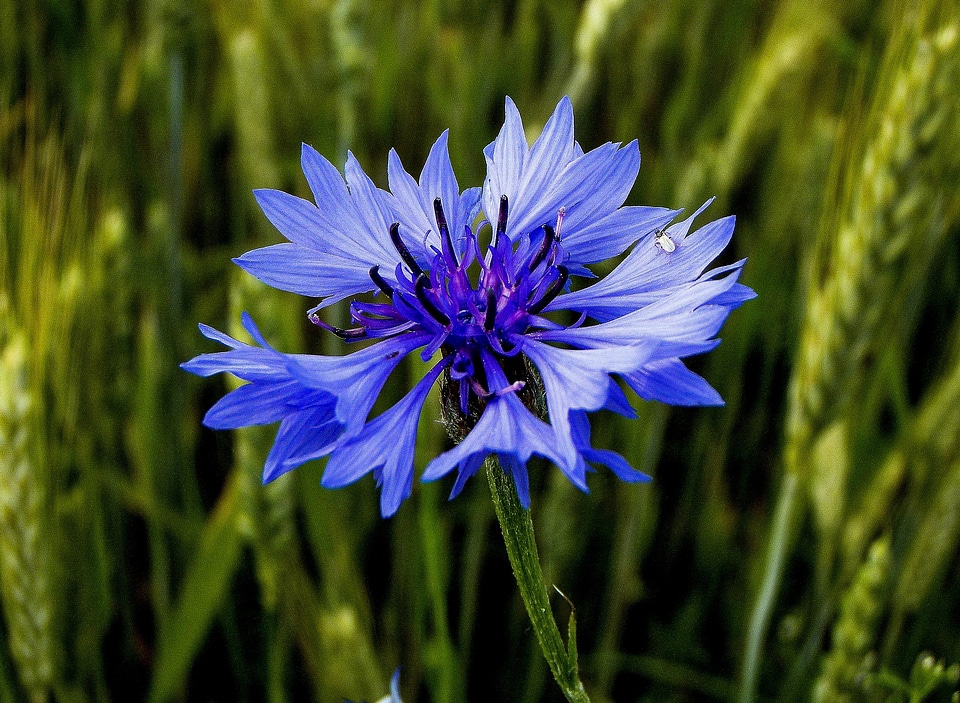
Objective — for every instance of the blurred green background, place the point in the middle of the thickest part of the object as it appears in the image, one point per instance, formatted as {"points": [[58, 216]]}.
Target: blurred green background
{"points": [[799, 544]]}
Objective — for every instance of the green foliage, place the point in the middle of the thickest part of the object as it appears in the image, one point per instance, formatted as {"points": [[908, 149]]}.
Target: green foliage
{"points": [[792, 545]]}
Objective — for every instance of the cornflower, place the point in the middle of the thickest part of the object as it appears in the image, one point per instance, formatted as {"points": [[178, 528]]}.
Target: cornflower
{"points": [[478, 314]]}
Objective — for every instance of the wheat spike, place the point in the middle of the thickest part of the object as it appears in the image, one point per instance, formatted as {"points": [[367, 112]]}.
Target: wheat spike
{"points": [[849, 660], [24, 547], [886, 231]]}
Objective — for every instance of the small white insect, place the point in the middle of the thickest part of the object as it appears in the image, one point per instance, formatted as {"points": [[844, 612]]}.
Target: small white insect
{"points": [[663, 240]]}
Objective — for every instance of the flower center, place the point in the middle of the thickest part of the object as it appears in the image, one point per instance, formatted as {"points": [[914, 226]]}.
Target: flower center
{"points": [[515, 281]]}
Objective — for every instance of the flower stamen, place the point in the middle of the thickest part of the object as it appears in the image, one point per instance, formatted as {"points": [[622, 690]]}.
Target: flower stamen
{"points": [[501, 219], [444, 230], [420, 289], [549, 236], [404, 251], [354, 334], [380, 282], [490, 314], [552, 292]]}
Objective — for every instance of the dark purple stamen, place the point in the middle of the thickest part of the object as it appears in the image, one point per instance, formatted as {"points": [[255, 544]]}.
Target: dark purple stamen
{"points": [[420, 288], [552, 292], [444, 230], [502, 217], [351, 335], [403, 251], [380, 282], [549, 236], [490, 315]]}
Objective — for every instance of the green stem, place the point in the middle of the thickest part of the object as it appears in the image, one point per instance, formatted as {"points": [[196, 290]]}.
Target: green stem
{"points": [[517, 527], [784, 515]]}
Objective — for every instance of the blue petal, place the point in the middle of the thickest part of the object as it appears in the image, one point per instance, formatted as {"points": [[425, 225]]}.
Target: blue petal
{"points": [[373, 210], [468, 468], [304, 433], [669, 381], [555, 173], [356, 379], [506, 428], [735, 297], [325, 181], [583, 188], [613, 461], [526, 179], [617, 402], [579, 380], [414, 210], [521, 479], [295, 218], [262, 404], [437, 180], [414, 202], [297, 269], [276, 391], [610, 236], [395, 687], [243, 360], [617, 464], [506, 158], [678, 232], [606, 183], [648, 274], [385, 446], [552, 150]]}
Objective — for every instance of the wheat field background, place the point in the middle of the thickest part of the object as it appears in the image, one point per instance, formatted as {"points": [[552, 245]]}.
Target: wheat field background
{"points": [[799, 544]]}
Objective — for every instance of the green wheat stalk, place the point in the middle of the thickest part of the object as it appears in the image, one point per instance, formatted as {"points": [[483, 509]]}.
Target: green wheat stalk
{"points": [[881, 240]]}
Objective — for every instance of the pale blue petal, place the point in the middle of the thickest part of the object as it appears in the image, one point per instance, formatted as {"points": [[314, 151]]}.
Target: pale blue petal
{"points": [[437, 180], [551, 152], [414, 210], [613, 461], [648, 274], [261, 404], [385, 446], [298, 269], [579, 380], [617, 402], [325, 181], [589, 189], [375, 214], [685, 316], [506, 158], [295, 218], [243, 361], [669, 381], [307, 432], [521, 479], [414, 202], [395, 687], [356, 379], [505, 427], [611, 235]]}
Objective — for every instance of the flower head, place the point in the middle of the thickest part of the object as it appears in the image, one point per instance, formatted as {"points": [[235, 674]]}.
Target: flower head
{"points": [[480, 315]]}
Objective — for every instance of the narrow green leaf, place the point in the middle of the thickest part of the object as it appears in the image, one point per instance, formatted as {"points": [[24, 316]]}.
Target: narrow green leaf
{"points": [[204, 586]]}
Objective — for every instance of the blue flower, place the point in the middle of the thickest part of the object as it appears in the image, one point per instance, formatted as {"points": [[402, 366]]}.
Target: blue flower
{"points": [[479, 317], [394, 696]]}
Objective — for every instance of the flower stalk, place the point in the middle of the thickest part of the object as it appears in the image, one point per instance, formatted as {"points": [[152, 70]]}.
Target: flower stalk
{"points": [[517, 527]]}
